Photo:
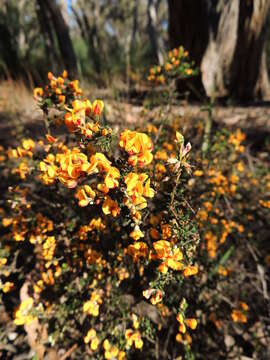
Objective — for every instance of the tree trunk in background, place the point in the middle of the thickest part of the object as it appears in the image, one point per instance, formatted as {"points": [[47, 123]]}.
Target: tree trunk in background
{"points": [[9, 53], [63, 37], [134, 23], [9, 41], [152, 30], [45, 27], [93, 43], [226, 39]]}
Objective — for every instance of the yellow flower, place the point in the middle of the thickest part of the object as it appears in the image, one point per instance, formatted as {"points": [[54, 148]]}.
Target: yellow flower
{"points": [[168, 66], [3, 261], [136, 234], [156, 297], [190, 270], [22, 170], [7, 286], [135, 321], [138, 187], [161, 155], [74, 85], [75, 118], [133, 337], [191, 323], [38, 93], [111, 351], [6, 222], [96, 224], [170, 257], [137, 250], [22, 314], [28, 144], [110, 206], [92, 338], [111, 177], [85, 195], [189, 71], [244, 306], [92, 306], [97, 107], [138, 146], [162, 248], [239, 316], [198, 173], [49, 248], [94, 344]]}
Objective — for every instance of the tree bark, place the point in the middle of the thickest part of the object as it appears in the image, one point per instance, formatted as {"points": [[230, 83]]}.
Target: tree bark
{"points": [[63, 37], [152, 30], [45, 27], [93, 43], [226, 39]]}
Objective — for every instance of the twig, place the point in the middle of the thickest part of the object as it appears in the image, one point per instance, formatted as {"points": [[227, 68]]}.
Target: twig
{"points": [[69, 352], [188, 204], [167, 342], [158, 133], [175, 187]]}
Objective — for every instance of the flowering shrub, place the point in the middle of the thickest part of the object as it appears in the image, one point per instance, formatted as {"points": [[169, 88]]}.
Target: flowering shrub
{"points": [[131, 245], [166, 80], [176, 66], [98, 229], [227, 192]]}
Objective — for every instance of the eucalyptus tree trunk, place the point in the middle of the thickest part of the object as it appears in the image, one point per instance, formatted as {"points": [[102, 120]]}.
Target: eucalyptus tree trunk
{"points": [[63, 37], [226, 38], [152, 9], [46, 30]]}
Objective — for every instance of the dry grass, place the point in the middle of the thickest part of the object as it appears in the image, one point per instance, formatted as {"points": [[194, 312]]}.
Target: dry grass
{"points": [[15, 97]]}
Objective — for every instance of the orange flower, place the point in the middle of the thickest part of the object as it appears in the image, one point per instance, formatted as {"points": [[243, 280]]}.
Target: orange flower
{"points": [[92, 306], [51, 139], [239, 316], [191, 323], [38, 93], [50, 75], [138, 186], [137, 250], [110, 207], [85, 195], [28, 144], [156, 297], [73, 164], [171, 258], [190, 270], [133, 337], [76, 116], [65, 74], [97, 107], [136, 233], [138, 146], [92, 338]]}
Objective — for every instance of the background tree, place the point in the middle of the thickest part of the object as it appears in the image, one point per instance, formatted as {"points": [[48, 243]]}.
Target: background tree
{"points": [[49, 40], [152, 26], [19, 43], [227, 40], [63, 37]]}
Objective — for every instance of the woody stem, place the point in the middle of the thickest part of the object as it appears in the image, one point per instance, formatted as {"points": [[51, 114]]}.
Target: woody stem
{"points": [[177, 181]]}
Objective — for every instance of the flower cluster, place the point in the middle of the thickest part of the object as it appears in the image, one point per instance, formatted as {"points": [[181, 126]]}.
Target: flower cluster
{"points": [[177, 65], [138, 146], [23, 313], [240, 315], [106, 228]]}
